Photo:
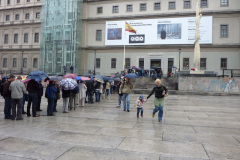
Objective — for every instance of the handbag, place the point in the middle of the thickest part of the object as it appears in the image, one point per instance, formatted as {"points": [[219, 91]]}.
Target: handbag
{"points": [[164, 92]]}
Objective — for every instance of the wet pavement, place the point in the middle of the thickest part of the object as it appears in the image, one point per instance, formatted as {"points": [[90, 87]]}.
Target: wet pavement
{"points": [[194, 128]]}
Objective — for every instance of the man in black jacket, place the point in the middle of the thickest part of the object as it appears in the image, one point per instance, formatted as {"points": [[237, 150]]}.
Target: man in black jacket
{"points": [[90, 90], [7, 97], [40, 94], [32, 88]]}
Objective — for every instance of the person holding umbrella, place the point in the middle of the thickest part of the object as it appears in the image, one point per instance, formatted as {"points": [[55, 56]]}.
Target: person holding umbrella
{"points": [[82, 93], [125, 89]]}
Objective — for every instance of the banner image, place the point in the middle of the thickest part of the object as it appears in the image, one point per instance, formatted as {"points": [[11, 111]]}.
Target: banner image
{"points": [[158, 31]]}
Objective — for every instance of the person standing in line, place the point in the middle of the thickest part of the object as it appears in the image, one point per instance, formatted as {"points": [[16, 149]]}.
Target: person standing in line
{"points": [[40, 94], [139, 104], [119, 95], [25, 98], [17, 89], [50, 93], [160, 92], [107, 88], [65, 96], [111, 87], [97, 91], [73, 97], [57, 96], [32, 88], [7, 96], [125, 89], [82, 93], [90, 89]]}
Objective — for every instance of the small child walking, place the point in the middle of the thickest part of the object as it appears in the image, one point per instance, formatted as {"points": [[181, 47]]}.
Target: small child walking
{"points": [[139, 105]]}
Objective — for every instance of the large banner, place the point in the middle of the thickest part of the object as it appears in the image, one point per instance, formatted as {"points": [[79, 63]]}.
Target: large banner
{"points": [[158, 31]]}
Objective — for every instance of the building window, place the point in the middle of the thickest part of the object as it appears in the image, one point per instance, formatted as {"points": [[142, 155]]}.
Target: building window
{"points": [[143, 7], [129, 8], [185, 63], [99, 10], [98, 62], [141, 62], [4, 62], [203, 63], [36, 38], [224, 31], [157, 6], [27, 16], [6, 39], [113, 62], [18, 1], [171, 5], [25, 38], [204, 3], [99, 35], [14, 62], [224, 2], [127, 62], [15, 39], [187, 4], [35, 62], [17, 17], [38, 15], [28, 0], [8, 2], [223, 63], [115, 9], [170, 64], [7, 17], [24, 62]]}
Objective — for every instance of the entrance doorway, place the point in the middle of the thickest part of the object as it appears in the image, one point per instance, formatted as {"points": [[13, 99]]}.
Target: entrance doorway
{"points": [[155, 63]]}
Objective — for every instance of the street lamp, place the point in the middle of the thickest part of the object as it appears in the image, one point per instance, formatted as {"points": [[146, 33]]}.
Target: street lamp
{"points": [[22, 63], [179, 58], [95, 61]]}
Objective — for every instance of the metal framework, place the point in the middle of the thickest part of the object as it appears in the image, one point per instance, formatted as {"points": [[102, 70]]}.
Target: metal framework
{"points": [[61, 35]]}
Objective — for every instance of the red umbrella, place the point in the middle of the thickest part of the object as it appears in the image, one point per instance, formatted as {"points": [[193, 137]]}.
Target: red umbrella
{"points": [[70, 75], [26, 80], [193, 69], [85, 78]]}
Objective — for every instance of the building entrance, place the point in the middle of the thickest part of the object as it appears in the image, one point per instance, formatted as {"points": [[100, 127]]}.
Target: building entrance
{"points": [[155, 63]]}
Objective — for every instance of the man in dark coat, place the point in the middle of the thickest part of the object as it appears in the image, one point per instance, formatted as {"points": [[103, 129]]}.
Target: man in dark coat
{"points": [[90, 90], [32, 88], [40, 94], [163, 34]]}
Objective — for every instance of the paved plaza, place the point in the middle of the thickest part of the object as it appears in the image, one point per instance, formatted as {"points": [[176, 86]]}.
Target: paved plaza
{"points": [[194, 128]]}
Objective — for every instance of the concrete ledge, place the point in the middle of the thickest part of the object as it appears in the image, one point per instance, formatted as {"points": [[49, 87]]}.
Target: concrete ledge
{"points": [[176, 92]]}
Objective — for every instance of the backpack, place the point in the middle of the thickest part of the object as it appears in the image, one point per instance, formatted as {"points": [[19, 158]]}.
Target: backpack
{"points": [[47, 92], [1, 89], [75, 90]]}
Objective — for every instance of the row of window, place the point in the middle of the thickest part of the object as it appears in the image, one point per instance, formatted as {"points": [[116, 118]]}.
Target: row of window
{"points": [[25, 38], [18, 1], [24, 63], [223, 32], [157, 6], [203, 63], [27, 16]]}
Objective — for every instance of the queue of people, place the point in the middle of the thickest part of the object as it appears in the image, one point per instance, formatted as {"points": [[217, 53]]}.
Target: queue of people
{"points": [[16, 93]]}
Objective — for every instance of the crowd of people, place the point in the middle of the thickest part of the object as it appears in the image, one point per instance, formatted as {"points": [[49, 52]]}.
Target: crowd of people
{"points": [[16, 92]]}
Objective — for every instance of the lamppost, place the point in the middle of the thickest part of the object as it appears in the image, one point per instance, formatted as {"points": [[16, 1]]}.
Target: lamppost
{"points": [[95, 61], [179, 59], [22, 63]]}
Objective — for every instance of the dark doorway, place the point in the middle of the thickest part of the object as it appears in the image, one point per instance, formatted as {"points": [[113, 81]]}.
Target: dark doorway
{"points": [[155, 63]]}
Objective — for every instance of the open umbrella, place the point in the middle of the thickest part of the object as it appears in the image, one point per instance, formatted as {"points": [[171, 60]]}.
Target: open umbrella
{"points": [[174, 67], [131, 76], [117, 79], [26, 80], [70, 75], [88, 75], [106, 78], [37, 75], [99, 78], [68, 84], [85, 78], [55, 78], [78, 78]]}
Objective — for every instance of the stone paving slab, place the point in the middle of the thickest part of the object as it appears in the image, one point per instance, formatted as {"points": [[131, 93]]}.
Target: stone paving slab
{"points": [[32, 149], [87, 153], [174, 148], [110, 123], [217, 131], [87, 139], [8, 157]]}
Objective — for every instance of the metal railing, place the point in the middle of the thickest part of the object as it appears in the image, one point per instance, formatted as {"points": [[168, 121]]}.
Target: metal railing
{"points": [[231, 73]]}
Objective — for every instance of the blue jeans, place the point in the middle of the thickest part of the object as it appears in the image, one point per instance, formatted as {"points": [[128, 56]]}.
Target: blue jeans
{"points": [[126, 101], [7, 107], [25, 98], [90, 96], [111, 89], [138, 110], [119, 100], [50, 107], [97, 95], [160, 113]]}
